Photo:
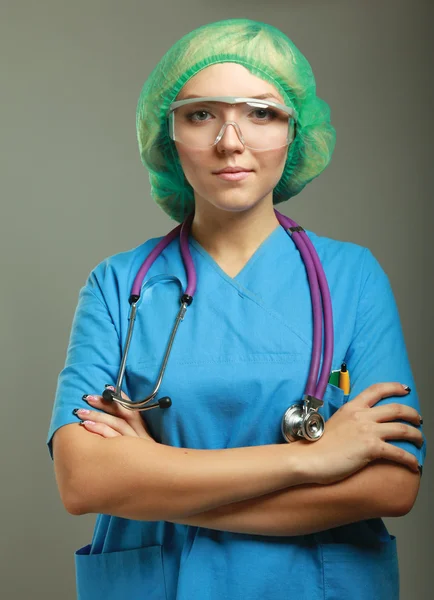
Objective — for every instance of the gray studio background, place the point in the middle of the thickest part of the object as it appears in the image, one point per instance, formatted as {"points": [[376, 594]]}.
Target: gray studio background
{"points": [[73, 191]]}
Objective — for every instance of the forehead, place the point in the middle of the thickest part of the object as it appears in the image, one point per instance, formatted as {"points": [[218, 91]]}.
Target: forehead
{"points": [[227, 79]]}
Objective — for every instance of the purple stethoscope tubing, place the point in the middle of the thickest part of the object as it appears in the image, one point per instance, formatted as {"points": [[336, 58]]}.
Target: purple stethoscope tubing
{"points": [[317, 284]]}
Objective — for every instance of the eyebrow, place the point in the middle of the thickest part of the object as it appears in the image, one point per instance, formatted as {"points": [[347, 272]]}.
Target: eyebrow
{"points": [[259, 97]]}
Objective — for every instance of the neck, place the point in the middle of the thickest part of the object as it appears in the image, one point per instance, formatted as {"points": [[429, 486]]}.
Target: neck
{"points": [[229, 235]]}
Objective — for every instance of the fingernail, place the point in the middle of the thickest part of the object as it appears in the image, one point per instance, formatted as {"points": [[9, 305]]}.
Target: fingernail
{"points": [[406, 387], [420, 469], [82, 411], [84, 397], [87, 422], [108, 385], [421, 420]]}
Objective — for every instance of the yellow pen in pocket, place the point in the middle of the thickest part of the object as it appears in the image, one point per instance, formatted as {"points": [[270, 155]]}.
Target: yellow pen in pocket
{"points": [[344, 379]]}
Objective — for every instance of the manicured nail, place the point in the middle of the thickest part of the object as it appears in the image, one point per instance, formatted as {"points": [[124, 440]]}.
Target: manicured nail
{"points": [[109, 386], [406, 387], [84, 397], [420, 469], [421, 420], [87, 423], [82, 411]]}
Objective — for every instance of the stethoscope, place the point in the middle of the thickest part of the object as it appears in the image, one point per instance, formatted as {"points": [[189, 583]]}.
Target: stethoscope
{"points": [[302, 419]]}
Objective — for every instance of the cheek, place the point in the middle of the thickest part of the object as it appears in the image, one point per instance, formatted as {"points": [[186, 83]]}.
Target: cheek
{"points": [[192, 164], [281, 159], [272, 165]]}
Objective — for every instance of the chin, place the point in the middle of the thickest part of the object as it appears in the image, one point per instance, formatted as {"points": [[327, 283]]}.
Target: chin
{"points": [[236, 204]]}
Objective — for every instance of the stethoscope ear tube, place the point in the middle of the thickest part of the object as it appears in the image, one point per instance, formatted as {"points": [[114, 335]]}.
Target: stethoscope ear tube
{"points": [[116, 395], [301, 420]]}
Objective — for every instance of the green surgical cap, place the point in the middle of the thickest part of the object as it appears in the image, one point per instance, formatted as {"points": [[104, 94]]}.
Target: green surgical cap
{"points": [[268, 54]]}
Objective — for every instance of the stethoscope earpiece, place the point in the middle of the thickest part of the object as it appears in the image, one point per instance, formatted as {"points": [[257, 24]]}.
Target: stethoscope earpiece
{"points": [[165, 402], [108, 395]]}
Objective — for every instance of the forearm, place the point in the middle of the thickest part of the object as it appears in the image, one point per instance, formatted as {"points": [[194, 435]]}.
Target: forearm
{"points": [[133, 478], [307, 508]]}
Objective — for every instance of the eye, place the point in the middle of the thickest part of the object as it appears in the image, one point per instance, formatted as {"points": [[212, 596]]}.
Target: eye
{"points": [[264, 114], [192, 116]]}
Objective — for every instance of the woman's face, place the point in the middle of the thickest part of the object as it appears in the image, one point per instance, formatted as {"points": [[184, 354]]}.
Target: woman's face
{"points": [[199, 165]]}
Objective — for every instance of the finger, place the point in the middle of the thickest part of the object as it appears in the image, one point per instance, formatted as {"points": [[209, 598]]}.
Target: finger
{"points": [[400, 431], [377, 391], [392, 412], [116, 423], [132, 417], [123, 394], [101, 429], [390, 452], [111, 406]]}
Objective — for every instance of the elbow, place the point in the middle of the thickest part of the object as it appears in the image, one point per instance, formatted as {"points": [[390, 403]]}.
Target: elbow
{"points": [[406, 504], [75, 503], [73, 499], [404, 494], [73, 470], [74, 508], [73, 488], [391, 489]]}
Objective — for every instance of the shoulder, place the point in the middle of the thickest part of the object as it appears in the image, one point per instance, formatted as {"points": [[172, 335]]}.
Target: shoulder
{"points": [[123, 261], [339, 252], [117, 271], [349, 261]]}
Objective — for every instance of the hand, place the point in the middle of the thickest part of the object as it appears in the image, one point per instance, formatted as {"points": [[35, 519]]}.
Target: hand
{"points": [[115, 420], [355, 435]]}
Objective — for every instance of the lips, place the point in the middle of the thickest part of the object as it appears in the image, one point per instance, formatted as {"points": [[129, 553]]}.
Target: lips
{"points": [[233, 176], [232, 170]]}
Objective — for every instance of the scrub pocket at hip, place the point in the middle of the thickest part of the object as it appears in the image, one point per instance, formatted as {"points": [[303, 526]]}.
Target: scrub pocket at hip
{"points": [[133, 574], [361, 572]]}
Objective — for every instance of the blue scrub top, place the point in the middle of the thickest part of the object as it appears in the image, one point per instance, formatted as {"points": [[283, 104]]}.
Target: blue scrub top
{"points": [[240, 358]]}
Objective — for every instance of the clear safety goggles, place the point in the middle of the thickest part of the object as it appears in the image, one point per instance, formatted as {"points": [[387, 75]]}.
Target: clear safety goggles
{"points": [[260, 124]]}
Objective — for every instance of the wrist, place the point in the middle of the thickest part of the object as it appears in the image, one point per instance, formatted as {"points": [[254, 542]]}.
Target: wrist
{"points": [[301, 462]]}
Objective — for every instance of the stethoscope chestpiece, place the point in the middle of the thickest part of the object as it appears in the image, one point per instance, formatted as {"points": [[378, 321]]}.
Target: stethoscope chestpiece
{"points": [[303, 421]]}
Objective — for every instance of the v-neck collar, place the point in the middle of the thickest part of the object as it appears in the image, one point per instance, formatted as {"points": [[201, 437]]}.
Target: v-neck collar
{"points": [[255, 256]]}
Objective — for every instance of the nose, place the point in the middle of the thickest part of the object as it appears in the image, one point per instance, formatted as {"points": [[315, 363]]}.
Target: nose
{"points": [[230, 140]]}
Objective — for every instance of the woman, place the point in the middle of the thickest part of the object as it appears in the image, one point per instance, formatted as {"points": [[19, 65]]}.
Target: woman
{"points": [[203, 499]]}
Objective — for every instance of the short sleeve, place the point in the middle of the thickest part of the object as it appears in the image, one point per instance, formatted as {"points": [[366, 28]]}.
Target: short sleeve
{"points": [[377, 352], [93, 355]]}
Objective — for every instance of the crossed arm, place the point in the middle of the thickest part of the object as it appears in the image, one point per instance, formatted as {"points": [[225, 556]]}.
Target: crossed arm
{"points": [[381, 489]]}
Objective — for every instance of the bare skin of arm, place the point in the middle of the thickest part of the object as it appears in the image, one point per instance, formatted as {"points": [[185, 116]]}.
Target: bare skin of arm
{"points": [[137, 478], [307, 509]]}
